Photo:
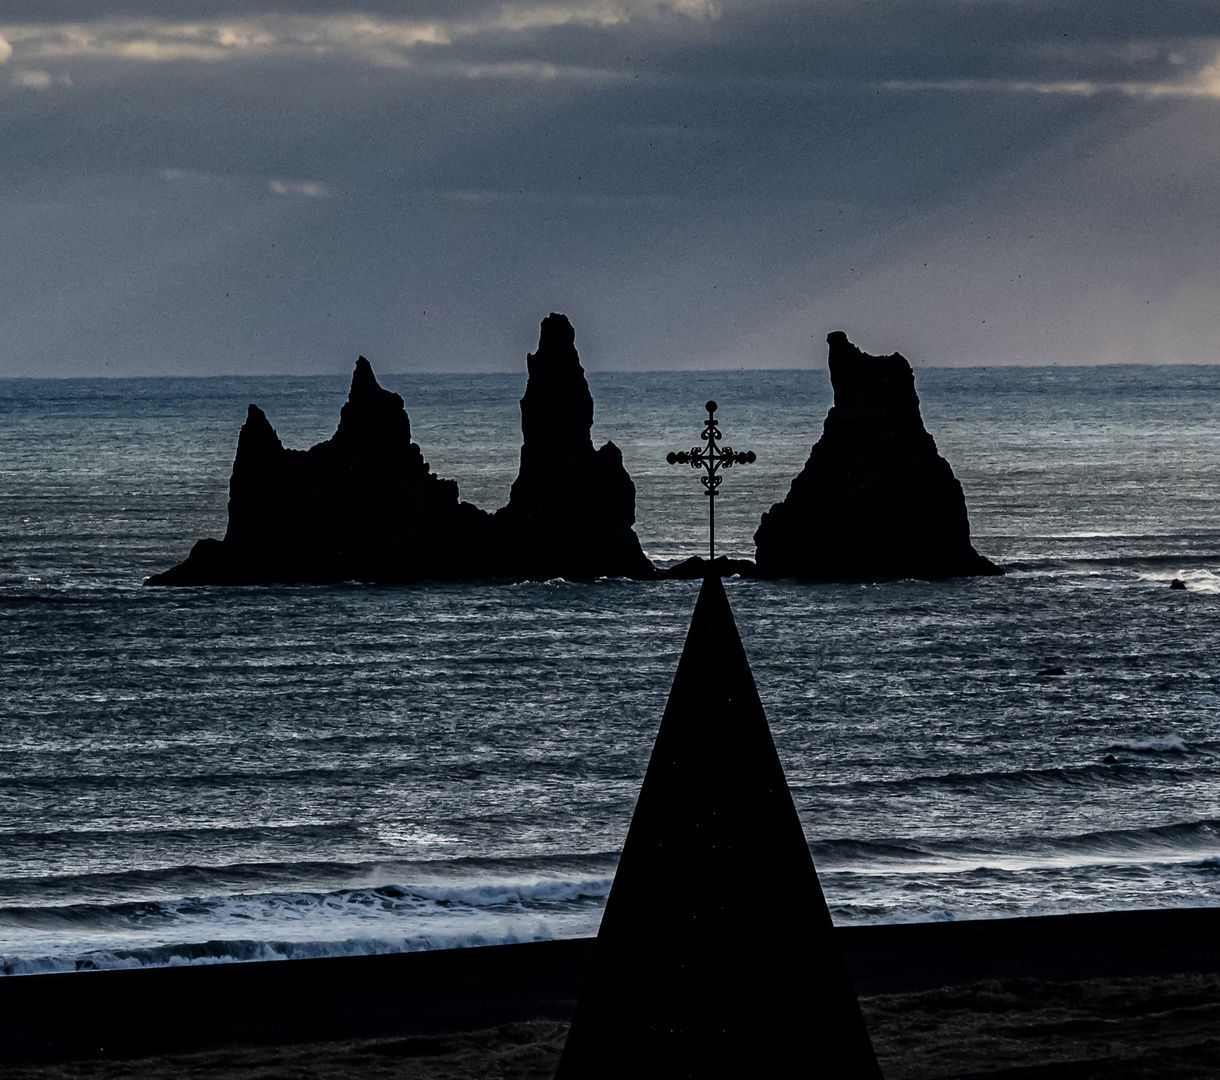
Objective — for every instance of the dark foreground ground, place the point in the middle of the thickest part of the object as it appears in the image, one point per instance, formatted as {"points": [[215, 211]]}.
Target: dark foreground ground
{"points": [[1125, 995]]}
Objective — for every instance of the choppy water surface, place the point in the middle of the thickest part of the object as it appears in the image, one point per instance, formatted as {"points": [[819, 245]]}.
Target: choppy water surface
{"points": [[216, 774]]}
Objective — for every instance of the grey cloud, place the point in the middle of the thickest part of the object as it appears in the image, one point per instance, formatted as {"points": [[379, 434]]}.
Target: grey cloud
{"points": [[360, 36], [994, 39], [305, 189], [690, 191]]}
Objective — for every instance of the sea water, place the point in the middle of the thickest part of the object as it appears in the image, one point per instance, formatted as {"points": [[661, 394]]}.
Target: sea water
{"points": [[219, 774]]}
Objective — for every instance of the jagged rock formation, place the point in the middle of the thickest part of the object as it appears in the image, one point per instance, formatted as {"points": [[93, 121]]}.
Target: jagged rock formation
{"points": [[571, 509], [696, 568], [364, 506], [361, 506], [875, 500]]}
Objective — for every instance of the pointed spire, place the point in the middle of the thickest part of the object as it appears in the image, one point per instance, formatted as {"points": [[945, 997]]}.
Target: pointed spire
{"points": [[557, 407], [257, 438], [374, 420], [716, 955]]}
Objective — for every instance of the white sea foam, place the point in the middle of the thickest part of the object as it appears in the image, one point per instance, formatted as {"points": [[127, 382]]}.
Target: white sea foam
{"points": [[1167, 744], [289, 925], [1204, 581], [1200, 579]]}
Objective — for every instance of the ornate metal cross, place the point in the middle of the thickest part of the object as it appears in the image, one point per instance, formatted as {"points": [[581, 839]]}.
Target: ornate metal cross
{"points": [[713, 458]]}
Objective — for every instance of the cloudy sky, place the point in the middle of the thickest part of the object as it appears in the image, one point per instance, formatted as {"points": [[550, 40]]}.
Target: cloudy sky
{"points": [[240, 186]]}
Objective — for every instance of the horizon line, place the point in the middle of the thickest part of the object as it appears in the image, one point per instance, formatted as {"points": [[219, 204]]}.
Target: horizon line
{"points": [[607, 371]]}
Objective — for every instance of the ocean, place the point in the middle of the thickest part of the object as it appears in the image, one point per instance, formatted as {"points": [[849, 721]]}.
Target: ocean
{"points": [[223, 774]]}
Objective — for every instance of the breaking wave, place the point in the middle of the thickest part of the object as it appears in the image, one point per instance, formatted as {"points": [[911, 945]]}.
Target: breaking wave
{"points": [[294, 925]]}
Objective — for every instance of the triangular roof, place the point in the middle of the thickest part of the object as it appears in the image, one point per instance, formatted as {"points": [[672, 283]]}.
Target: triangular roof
{"points": [[716, 955]]}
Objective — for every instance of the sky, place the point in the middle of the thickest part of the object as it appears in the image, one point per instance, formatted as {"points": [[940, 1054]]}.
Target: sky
{"points": [[247, 187]]}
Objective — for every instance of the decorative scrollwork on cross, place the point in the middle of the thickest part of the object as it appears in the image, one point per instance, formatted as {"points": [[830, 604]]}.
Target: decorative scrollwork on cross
{"points": [[713, 458]]}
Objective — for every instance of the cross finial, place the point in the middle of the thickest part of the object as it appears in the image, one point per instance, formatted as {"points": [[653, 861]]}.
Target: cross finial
{"points": [[713, 458]]}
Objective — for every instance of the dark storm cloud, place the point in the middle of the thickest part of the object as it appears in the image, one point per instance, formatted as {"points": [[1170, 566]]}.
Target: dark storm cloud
{"points": [[66, 11], [981, 39], [209, 187]]}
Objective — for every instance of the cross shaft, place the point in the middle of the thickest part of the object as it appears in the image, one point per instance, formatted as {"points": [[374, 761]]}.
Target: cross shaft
{"points": [[713, 458]]}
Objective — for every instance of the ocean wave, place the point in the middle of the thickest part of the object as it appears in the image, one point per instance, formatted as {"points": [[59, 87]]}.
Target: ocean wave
{"points": [[92, 777], [1169, 744], [169, 883], [240, 951], [1099, 775], [293, 924], [358, 903], [844, 852], [1034, 562], [1179, 839], [1198, 579], [8, 599], [233, 834], [1178, 843]]}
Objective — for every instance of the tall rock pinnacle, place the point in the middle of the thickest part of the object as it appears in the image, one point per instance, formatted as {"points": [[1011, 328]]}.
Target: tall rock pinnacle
{"points": [[571, 509], [875, 500], [374, 420]]}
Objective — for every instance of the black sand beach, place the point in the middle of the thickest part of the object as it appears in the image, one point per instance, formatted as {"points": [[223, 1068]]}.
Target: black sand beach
{"points": [[1129, 994]]}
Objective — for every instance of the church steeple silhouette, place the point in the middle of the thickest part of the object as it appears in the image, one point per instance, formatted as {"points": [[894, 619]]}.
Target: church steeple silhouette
{"points": [[716, 955]]}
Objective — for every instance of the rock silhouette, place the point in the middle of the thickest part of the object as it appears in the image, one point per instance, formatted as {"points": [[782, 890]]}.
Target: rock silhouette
{"points": [[365, 506], [697, 567], [875, 501], [361, 506], [685, 979], [571, 509]]}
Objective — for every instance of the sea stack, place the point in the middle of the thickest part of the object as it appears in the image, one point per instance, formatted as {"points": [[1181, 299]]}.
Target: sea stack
{"points": [[875, 501], [361, 506], [571, 509], [365, 506]]}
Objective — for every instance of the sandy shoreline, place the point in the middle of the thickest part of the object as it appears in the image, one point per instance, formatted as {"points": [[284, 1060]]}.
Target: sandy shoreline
{"points": [[1115, 995]]}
